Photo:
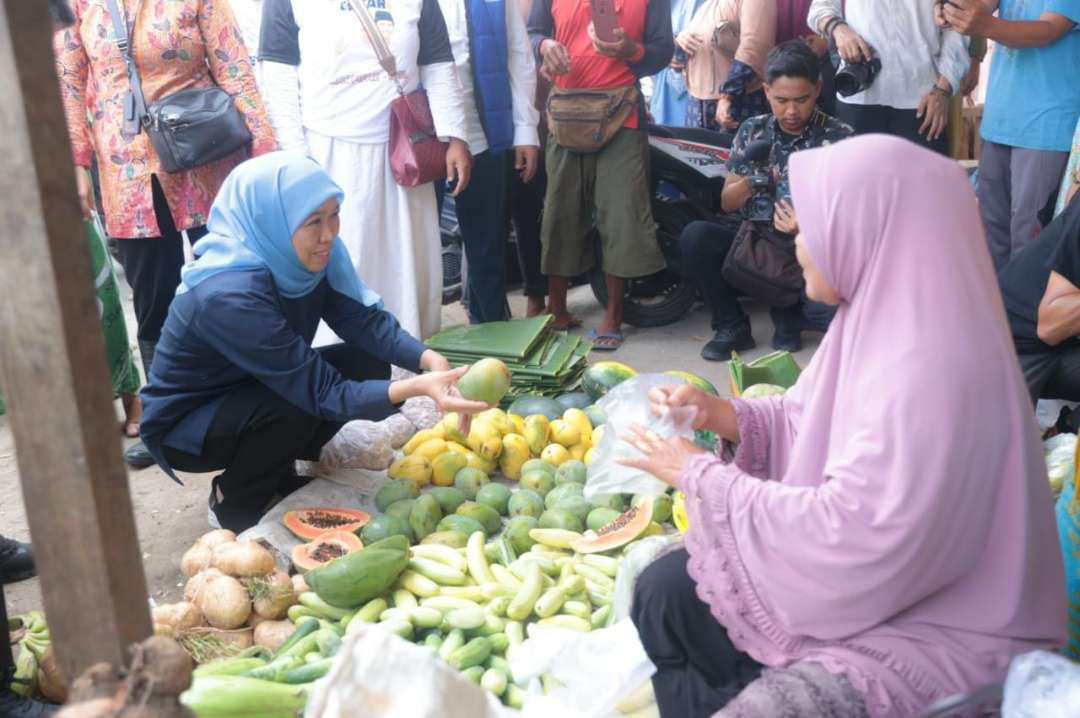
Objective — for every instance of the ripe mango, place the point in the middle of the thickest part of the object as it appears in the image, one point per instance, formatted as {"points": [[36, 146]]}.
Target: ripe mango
{"points": [[487, 380], [451, 426], [485, 440], [476, 462], [498, 419], [515, 452], [589, 456], [536, 432], [431, 448], [578, 418], [555, 454], [578, 451], [445, 466], [457, 448], [565, 433], [419, 438], [414, 467], [519, 423]]}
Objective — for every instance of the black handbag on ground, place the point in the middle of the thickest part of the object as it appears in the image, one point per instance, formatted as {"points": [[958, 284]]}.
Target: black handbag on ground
{"points": [[762, 264], [189, 128]]}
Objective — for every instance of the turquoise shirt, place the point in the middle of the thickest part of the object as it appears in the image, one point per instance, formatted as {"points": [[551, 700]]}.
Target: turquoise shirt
{"points": [[1033, 97]]}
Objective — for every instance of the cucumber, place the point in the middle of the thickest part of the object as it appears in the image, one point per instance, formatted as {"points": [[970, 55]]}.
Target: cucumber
{"points": [[433, 640], [515, 632], [491, 591], [477, 561], [473, 653], [594, 574], [437, 571], [467, 619], [453, 641], [555, 538], [469, 593], [304, 629], [298, 612], [507, 555], [417, 584], [600, 617], [547, 565], [572, 622], [404, 599], [498, 605], [514, 697], [577, 608], [492, 625], [399, 626], [599, 595], [438, 552], [425, 617], [448, 603], [396, 614], [310, 672], [329, 642], [608, 565], [573, 584], [527, 595], [499, 662], [311, 601], [228, 667], [550, 602], [505, 577], [368, 613], [499, 644], [474, 674], [494, 680]]}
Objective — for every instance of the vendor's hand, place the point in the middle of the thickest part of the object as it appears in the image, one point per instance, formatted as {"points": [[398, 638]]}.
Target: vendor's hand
{"points": [[690, 42], [971, 78], [441, 386], [526, 160], [968, 17], [622, 49], [458, 165], [432, 360], [850, 44], [934, 110], [556, 59], [784, 218], [663, 458], [724, 114], [85, 189], [662, 399]]}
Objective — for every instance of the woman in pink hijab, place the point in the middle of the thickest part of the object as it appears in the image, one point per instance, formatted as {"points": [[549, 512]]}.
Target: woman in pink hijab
{"points": [[884, 536]]}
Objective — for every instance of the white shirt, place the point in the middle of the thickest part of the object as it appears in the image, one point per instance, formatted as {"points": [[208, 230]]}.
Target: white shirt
{"points": [[912, 48], [522, 70]]}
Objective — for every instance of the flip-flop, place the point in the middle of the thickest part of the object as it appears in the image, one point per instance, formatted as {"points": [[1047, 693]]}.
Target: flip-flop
{"points": [[606, 342]]}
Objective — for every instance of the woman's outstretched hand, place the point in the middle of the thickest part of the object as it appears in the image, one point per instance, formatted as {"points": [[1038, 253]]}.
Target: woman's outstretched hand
{"points": [[441, 387], [663, 458]]}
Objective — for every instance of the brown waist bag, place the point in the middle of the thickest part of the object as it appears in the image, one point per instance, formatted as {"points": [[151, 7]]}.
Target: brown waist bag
{"points": [[584, 120], [762, 264]]}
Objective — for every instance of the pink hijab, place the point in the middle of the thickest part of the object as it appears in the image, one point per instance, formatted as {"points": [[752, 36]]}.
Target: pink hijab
{"points": [[904, 534]]}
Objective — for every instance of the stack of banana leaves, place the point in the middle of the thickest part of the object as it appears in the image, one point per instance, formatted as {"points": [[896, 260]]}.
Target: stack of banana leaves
{"points": [[543, 362]]}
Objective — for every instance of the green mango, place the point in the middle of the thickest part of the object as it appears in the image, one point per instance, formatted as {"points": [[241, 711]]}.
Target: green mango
{"points": [[393, 491], [355, 578]]}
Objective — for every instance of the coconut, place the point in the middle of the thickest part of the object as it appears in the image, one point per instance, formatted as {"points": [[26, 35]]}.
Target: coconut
{"points": [[217, 537], [273, 595], [242, 559], [196, 559], [272, 634], [195, 584], [224, 602]]}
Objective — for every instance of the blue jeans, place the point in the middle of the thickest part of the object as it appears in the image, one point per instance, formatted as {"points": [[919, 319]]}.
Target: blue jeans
{"points": [[482, 214]]}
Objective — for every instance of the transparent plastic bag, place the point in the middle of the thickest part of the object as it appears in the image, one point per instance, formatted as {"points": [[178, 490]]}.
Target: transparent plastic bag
{"points": [[639, 558], [625, 406], [1042, 685], [359, 445]]}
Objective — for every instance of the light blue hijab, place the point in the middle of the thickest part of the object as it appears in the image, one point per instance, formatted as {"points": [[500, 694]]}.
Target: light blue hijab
{"points": [[261, 204]]}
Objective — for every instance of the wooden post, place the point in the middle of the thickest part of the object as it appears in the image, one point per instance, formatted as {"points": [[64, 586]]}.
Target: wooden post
{"points": [[52, 358]]}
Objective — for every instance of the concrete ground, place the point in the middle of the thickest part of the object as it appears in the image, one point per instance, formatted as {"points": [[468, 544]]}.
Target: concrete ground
{"points": [[171, 517]]}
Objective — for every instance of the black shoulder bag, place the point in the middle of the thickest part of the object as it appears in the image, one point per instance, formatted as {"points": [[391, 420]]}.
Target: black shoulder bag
{"points": [[762, 264], [189, 128]]}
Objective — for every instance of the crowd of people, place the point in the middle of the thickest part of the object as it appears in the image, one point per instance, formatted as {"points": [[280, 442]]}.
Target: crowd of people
{"points": [[813, 580]]}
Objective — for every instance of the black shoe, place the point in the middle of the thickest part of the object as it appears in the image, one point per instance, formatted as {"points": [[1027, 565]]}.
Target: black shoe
{"points": [[790, 343], [789, 324], [12, 705], [137, 456], [726, 341], [16, 562], [235, 518]]}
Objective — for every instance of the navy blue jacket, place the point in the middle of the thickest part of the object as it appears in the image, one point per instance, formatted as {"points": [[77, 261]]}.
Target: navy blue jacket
{"points": [[234, 328]]}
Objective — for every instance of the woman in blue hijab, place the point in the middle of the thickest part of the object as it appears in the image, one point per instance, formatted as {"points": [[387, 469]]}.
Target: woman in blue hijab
{"points": [[235, 385]]}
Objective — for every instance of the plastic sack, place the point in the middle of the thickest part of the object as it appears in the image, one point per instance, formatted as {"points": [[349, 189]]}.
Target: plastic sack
{"points": [[1060, 451], [1067, 512], [378, 675], [627, 405], [1041, 684]]}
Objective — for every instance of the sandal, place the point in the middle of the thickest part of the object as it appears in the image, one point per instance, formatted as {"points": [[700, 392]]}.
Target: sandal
{"points": [[606, 341], [571, 322]]}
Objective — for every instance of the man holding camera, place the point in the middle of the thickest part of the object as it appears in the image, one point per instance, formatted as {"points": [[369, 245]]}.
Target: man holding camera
{"points": [[758, 188], [898, 68]]}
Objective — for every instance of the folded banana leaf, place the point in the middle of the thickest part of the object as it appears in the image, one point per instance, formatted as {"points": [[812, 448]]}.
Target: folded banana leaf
{"points": [[506, 340]]}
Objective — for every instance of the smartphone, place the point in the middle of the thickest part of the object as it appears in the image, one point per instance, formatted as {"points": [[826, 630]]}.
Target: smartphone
{"points": [[605, 20]]}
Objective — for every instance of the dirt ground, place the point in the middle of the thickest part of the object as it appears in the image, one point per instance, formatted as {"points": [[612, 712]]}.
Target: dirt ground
{"points": [[171, 517]]}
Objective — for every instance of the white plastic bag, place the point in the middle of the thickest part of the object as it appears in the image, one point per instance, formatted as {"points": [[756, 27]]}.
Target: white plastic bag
{"points": [[640, 557], [1060, 451], [627, 405], [358, 445], [1042, 685]]}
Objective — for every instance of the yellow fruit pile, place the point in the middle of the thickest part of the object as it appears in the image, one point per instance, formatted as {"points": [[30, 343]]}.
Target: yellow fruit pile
{"points": [[495, 440]]}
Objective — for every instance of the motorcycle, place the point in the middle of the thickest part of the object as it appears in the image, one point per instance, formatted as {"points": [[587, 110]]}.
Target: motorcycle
{"points": [[687, 171]]}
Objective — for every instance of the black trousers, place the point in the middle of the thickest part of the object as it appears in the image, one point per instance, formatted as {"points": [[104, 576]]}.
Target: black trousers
{"points": [[256, 436], [704, 246], [526, 210], [481, 212], [7, 661], [867, 119], [152, 268], [698, 668], [1053, 375]]}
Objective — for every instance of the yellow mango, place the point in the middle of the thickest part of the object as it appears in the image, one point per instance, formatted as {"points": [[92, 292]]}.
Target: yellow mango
{"points": [[457, 448], [431, 448], [445, 466], [498, 419], [414, 467], [451, 426], [515, 452], [589, 456], [578, 451], [519, 423], [485, 440], [565, 433], [536, 433], [578, 418], [473, 460], [419, 438], [598, 434], [555, 454]]}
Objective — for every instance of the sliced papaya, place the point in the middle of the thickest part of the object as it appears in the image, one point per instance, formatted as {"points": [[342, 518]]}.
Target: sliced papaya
{"points": [[624, 529], [310, 523], [325, 548]]}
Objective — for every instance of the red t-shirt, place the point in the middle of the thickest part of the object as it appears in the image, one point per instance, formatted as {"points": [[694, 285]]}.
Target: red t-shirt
{"points": [[588, 68]]}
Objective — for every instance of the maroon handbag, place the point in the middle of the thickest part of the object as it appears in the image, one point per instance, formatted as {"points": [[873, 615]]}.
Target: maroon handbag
{"points": [[416, 154]]}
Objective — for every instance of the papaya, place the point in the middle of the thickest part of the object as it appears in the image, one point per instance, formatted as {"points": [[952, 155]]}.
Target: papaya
{"points": [[626, 527], [449, 498], [485, 440], [461, 524], [425, 516], [517, 533], [400, 509], [555, 454], [498, 420], [563, 491], [453, 539], [524, 502], [565, 433], [575, 400], [430, 449], [537, 480], [515, 452], [349, 581], [496, 496], [384, 526], [420, 437], [325, 548], [469, 481], [572, 471], [483, 514], [395, 490], [451, 426], [694, 380], [445, 466], [530, 405], [537, 427], [599, 517], [487, 380], [662, 506], [603, 376], [560, 519], [578, 418], [415, 467], [308, 524], [539, 464]]}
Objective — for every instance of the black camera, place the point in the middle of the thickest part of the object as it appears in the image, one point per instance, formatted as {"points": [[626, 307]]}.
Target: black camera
{"points": [[763, 191], [853, 77]]}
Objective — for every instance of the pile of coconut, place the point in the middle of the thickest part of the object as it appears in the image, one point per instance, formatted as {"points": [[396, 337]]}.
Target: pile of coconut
{"points": [[235, 598]]}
